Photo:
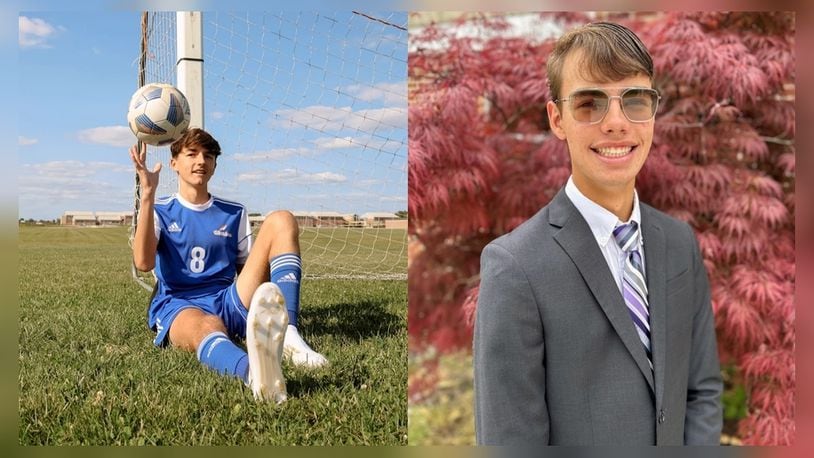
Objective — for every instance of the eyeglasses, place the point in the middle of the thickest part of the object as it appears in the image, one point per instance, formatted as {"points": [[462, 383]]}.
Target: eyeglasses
{"points": [[590, 105]]}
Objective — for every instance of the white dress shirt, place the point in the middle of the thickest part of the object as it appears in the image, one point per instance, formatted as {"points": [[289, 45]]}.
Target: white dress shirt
{"points": [[602, 223]]}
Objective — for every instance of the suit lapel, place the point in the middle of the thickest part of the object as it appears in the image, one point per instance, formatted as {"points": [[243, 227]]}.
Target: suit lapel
{"points": [[655, 255], [576, 238]]}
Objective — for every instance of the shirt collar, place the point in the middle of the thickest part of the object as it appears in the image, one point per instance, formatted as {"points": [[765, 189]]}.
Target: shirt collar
{"points": [[601, 221], [195, 207]]}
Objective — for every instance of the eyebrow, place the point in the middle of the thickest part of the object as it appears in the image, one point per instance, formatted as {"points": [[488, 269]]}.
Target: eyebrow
{"points": [[608, 89]]}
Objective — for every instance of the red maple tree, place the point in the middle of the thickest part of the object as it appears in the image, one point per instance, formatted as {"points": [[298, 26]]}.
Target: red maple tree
{"points": [[723, 160]]}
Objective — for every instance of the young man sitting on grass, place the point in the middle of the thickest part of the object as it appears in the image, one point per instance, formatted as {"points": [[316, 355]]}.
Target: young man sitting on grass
{"points": [[214, 284]]}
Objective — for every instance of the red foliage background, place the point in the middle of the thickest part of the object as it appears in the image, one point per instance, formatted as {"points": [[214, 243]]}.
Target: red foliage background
{"points": [[723, 159]]}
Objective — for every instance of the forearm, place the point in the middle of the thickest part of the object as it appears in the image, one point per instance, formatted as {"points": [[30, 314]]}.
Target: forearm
{"points": [[144, 241]]}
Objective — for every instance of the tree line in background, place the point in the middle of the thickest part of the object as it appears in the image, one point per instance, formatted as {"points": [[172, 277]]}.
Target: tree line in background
{"points": [[723, 160]]}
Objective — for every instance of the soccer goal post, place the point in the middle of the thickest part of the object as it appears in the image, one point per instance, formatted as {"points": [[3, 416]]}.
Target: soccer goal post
{"points": [[310, 109]]}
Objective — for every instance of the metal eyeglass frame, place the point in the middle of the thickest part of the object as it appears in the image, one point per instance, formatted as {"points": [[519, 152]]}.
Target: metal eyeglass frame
{"points": [[610, 99]]}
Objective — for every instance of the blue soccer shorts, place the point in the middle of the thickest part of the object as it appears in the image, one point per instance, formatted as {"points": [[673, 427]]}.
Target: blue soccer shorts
{"points": [[225, 304]]}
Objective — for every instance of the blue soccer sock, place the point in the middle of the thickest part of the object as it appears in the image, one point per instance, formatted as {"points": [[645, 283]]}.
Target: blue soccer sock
{"points": [[222, 355], [286, 271]]}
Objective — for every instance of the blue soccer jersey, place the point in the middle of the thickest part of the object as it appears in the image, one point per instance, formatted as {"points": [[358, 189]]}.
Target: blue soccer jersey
{"points": [[199, 246]]}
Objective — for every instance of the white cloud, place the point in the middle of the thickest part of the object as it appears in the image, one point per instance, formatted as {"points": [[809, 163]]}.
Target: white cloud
{"points": [[63, 194], [56, 186], [217, 115], [57, 170], [274, 154], [393, 199], [35, 32], [291, 176], [72, 169], [120, 136], [25, 141], [389, 93], [110, 167], [322, 145], [335, 142], [169, 5], [367, 183], [387, 145], [326, 177], [330, 119]]}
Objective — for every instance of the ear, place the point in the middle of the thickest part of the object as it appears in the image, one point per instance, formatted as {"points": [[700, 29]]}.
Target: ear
{"points": [[172, 163], [555, 119]]}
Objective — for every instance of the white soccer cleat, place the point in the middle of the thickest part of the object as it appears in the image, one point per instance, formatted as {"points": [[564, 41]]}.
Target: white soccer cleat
{"points": [[265, 332], [300, 354]]}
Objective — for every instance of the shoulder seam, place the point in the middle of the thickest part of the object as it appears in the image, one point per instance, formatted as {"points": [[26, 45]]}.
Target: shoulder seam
{"points": [[228, 202], [165, 199]]}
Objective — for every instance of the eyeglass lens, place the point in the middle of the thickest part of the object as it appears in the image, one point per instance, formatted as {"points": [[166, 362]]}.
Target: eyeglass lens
{"points": [[590, 105]]}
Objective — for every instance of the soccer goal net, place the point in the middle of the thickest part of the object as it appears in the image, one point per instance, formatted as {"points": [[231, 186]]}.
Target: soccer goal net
{"points": [[310, 110]]}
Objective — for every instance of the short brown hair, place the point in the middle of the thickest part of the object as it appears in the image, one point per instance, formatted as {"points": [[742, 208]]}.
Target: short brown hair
{"points": [[611, 52], [195, 137]]}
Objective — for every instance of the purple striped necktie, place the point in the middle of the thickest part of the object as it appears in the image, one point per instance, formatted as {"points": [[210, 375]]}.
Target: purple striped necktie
{"points": [[634, 285]]}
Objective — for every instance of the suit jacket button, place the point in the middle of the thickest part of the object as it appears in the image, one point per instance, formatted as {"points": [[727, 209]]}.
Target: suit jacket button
{"points": [[661, 416]]}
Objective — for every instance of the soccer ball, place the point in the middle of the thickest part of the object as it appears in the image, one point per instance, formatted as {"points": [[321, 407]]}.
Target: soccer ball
{"points": [[158, 114]]}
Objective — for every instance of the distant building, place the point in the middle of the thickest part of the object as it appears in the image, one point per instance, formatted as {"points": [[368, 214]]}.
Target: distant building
{"points": [[78, 218], [377, 219], [310, 219], [395, 224], [317, 219], [114, 218], [322, 219], [256, 220], [86, 218]]}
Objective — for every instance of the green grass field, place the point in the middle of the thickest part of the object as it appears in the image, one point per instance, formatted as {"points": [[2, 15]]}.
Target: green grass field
{"points": [[89, 374]]}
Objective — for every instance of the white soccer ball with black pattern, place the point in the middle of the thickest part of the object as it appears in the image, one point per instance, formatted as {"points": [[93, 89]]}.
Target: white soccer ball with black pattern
{"points": [[158, 114]]}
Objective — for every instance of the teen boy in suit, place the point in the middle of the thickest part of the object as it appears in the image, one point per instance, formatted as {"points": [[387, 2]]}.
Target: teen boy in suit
{"points": [[594, 324]]}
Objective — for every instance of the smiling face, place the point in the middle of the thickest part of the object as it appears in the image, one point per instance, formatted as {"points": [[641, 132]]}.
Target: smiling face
{"points": [[195, 166], [606, 156]]}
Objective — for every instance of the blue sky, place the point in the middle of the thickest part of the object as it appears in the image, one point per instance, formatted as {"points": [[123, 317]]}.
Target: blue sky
{"points": [[311, 114]]}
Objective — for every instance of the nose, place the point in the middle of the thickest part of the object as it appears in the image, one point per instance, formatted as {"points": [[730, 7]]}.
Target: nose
{"points": [[615, 119]]}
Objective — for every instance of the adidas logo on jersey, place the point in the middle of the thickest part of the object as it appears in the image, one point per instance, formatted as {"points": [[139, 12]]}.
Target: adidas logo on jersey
{"points": [[288, 278], [174, 227], [222, 232]]}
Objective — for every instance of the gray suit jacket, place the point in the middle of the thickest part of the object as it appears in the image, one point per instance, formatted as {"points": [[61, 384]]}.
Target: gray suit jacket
{"points": [[557, 358]]}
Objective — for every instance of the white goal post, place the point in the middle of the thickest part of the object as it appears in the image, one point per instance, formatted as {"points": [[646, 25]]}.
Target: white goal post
{"points": [[310, 109]]}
